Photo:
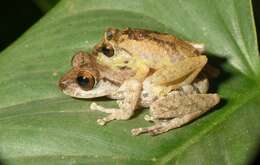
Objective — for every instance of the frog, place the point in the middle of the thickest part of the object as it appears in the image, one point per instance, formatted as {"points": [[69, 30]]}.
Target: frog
{"points": [[169, 109], [169, 62]]}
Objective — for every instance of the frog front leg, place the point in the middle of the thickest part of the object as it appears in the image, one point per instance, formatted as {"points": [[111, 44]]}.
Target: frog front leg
{"points": [[180, 73], [175, 110], [130, 90]]}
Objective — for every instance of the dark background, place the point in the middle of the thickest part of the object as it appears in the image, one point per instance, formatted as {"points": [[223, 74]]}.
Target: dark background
{"points": [[16, 16]]}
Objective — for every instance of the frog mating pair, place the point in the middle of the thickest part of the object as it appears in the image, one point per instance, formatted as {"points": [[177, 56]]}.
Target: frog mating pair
{"points": [[142, 68]]}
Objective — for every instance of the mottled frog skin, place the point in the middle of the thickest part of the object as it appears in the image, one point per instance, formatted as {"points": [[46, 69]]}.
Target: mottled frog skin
{"points": [[142, 68]]}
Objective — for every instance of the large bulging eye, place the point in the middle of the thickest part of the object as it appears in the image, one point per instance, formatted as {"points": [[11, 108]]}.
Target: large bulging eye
{"points": [[107, 51], [86, 80]]}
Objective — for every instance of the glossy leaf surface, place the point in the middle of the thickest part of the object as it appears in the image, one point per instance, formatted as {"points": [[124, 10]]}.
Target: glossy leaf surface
{"points": [[40, 125]]}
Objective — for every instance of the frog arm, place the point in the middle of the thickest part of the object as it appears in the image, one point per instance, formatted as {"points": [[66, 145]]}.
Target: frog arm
{"points": [[130, 90], [140, 67], [142, 72]]}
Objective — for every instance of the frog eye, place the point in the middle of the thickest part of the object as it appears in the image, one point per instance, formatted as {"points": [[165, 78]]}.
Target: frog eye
{"points": [[86, 80], [109, 52]]}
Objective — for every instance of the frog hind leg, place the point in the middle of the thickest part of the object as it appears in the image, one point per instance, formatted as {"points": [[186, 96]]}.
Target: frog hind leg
{"points": [[180, 73], [175, 110], [131, 92], [209, 70]]}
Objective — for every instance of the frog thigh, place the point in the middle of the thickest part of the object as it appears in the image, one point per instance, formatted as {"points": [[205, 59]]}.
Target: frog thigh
{"points": [[180, 73], [179, 109], [176, 105]]}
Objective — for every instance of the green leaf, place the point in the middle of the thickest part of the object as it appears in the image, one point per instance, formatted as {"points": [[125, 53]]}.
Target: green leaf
{"points": [[40, 125], [45, 5]]}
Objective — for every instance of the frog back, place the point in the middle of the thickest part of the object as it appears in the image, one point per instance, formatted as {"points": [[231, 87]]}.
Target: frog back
{"points": [[154, 47]]}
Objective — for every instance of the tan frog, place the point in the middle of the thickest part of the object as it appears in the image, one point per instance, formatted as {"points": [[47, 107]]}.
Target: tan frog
{"points": [[155, 70]]}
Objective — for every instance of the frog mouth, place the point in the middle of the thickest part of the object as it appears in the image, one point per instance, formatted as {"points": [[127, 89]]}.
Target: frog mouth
{"points": [[101, 88]]}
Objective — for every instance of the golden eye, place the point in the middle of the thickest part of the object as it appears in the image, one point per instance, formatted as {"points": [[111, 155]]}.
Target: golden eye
{"points": [[109, 52], [86, 80]]}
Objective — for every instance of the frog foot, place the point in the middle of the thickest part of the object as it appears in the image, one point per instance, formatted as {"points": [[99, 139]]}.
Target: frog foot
{"points": [[114, 113]]}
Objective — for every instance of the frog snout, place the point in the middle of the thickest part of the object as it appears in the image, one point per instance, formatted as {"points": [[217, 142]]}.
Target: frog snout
{"points": [[63, 84]]}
